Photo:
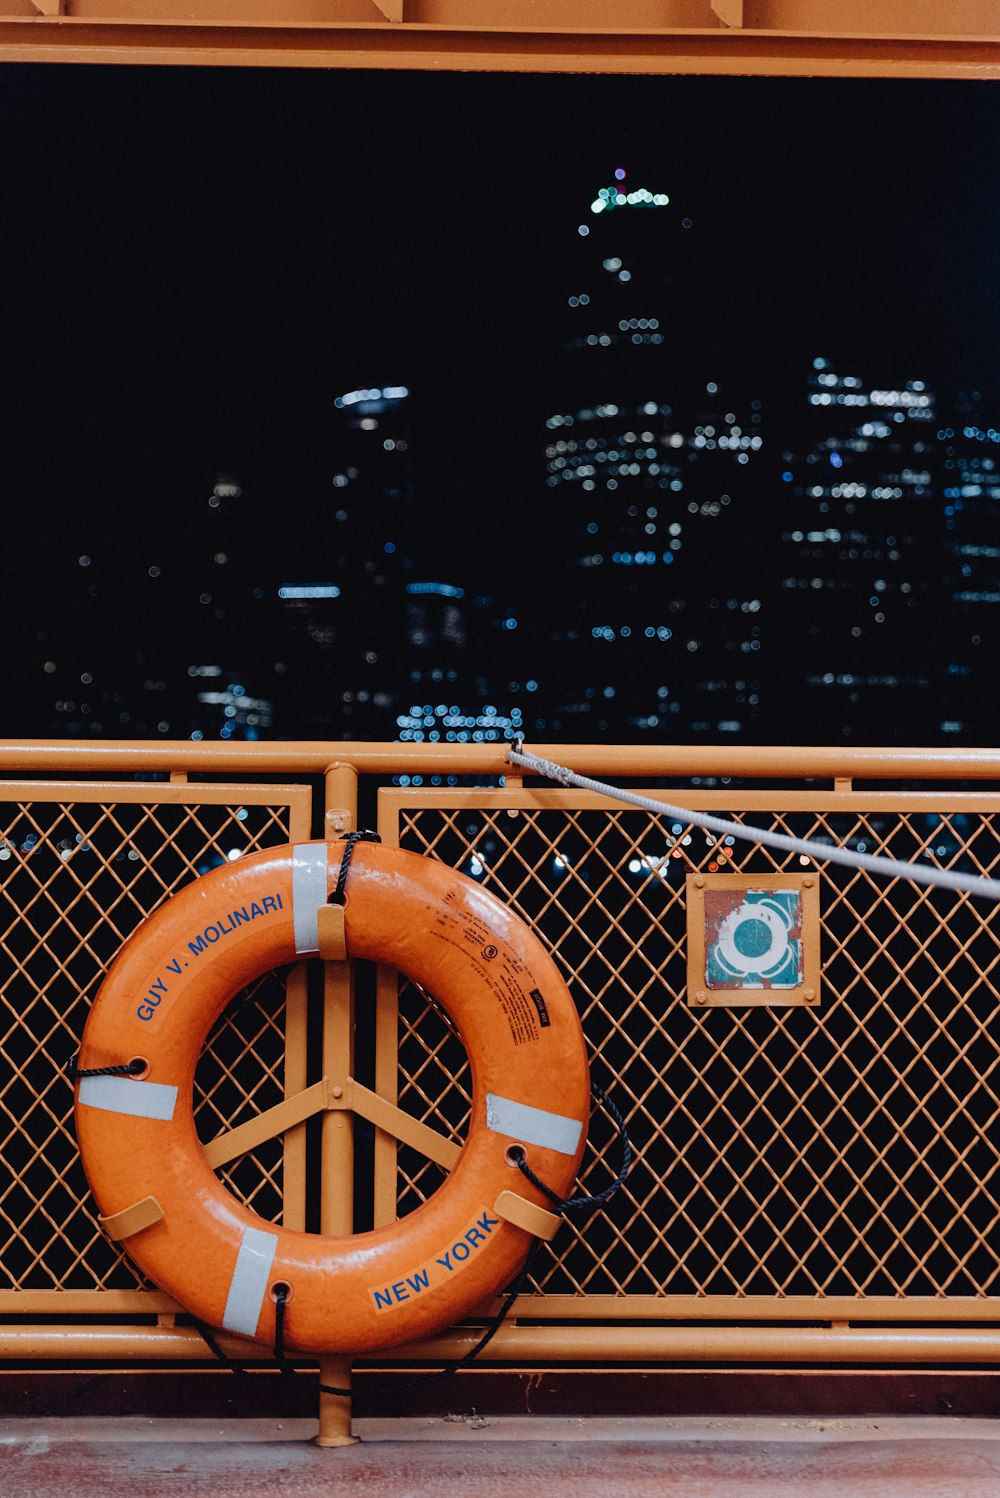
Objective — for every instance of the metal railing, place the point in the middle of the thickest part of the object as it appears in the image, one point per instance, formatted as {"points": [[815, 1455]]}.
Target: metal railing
{"points": [[813, 1183]]}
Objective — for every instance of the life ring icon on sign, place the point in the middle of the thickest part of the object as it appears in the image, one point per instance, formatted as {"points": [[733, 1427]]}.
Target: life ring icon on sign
{"points": [[758, 945]]}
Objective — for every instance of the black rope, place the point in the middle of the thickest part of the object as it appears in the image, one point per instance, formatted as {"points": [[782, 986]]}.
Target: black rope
{"points": [[561, 1204], [280, 1301], [127, 1069], [290, 1371], [228, 1362], [287, 1369], [498, 1320], [353, 838], [582, 1203]]}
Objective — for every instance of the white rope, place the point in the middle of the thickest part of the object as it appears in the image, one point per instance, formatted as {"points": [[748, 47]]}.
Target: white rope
{"points": [[972, 884]]}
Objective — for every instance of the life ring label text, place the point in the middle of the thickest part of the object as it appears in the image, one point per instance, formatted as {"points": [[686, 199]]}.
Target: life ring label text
{"points": [[149, 1010], [439, 1270], [497, 965]]}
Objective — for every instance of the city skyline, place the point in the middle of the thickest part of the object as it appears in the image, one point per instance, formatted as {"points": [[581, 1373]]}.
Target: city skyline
{"points": [[472, 341]]}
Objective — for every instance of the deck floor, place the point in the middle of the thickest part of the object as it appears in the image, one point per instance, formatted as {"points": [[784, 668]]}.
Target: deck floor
{"points": [[915, 1457]]}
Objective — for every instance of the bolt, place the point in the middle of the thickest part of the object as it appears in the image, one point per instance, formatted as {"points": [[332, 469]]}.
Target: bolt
{"points": [[701, 997], [809, 994], [700, 882], [338, 1092], [807, 883]]}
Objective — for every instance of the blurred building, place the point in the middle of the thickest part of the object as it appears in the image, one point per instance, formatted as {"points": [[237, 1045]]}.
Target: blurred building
{"points": [[657, 478], [345, 560], [970, 624], [685, 569], [857, 587]]}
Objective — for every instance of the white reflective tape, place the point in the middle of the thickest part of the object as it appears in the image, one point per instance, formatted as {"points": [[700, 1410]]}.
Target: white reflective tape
{"points": [[127, 1095], [308, 894], [248, 1285], [532, 1125]]}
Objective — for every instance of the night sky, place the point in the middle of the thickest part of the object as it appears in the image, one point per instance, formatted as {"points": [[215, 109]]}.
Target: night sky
{"points": [[196, 261]]}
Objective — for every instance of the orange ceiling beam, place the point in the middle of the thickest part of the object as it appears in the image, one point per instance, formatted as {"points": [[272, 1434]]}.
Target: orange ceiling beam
{"points": [[832, 38]]}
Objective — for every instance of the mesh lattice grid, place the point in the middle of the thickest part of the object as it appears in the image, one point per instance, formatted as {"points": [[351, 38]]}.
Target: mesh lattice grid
{"points": [[847, 1150], [77, 878]]}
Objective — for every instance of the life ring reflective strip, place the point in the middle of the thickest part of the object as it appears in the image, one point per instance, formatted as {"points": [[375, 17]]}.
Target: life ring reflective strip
{"points": [[173, 978]]}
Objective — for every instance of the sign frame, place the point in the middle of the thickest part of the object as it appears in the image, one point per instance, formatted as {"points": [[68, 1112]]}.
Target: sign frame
{"points": [[802, 942]]}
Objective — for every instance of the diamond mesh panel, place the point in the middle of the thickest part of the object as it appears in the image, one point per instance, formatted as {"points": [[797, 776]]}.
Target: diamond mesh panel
{"points": [[851, 1150], [77, 878]]}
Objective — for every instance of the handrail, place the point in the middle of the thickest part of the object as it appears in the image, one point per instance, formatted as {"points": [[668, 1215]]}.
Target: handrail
{"points": [[746, 762]]}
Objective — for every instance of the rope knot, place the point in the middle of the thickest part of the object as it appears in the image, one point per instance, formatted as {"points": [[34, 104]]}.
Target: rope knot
{"points": [[351, 841]]}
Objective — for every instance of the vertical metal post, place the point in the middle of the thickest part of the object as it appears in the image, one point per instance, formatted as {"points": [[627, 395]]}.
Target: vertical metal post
{"points": [[385, 1193], [337, 1138], [296, 1052], [296, 1078]]}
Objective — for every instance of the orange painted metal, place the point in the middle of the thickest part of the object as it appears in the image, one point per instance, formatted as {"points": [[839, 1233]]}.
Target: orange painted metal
{"points": [[867, 1114], [112, 758], [611, 1343], [174, 978], [337, 1129], [855, 38], [732, 1238], [700, 891]]}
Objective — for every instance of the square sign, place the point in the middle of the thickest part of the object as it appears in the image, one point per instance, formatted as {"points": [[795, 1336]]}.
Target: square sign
{"points": [[753, 939]]}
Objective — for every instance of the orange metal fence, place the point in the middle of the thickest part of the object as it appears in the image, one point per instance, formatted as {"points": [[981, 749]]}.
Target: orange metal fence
{"points": [[812, 1184]]}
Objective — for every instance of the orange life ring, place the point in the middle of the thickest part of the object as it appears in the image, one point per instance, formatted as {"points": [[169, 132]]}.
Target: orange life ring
{"points": [[175, 976]]}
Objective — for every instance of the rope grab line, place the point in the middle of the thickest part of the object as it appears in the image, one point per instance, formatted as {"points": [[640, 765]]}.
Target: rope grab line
{"points": [[971, 884]]}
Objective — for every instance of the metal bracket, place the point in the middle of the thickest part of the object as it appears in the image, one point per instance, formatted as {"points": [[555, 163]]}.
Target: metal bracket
{"points": [[337, 821], [536, 1220], [402, 1126], [730, 12], [332, 938], [328, 1097], [133, 1219]]}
